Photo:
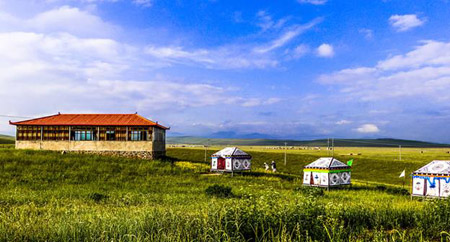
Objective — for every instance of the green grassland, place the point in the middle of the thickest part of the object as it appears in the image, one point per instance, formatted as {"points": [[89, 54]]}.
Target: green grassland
{"points": [[48, 196], [5, 139], [372, 165]]}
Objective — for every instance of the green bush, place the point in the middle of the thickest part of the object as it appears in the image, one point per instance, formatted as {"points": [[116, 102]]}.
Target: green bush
{"points": [[392, 190], [98, 197], [219, 191], [397, 190], [310, 191], [380, 187]]}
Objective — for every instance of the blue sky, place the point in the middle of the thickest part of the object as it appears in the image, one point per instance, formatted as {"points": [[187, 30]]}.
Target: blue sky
{"points": [[299, 69]]}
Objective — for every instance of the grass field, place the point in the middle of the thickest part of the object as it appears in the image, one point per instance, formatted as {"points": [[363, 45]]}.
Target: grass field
{"points": [[47, 196], [379, 165], [5, 139]]}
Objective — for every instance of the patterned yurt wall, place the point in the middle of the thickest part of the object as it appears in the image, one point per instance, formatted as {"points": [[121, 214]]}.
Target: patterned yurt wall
{"points": [[432, 180]]}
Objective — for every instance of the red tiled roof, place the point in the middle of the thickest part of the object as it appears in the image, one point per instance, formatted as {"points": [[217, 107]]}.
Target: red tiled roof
{"points": [[91, 120]]}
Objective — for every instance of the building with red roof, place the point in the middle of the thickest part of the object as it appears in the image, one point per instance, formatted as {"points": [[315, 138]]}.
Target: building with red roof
{"points": [[129, 134]]}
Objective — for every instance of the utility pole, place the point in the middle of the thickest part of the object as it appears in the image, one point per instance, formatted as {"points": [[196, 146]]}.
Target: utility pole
{"points": [[206, 149], [328, 147], [399, 152], [285, 143], [332, 147]]}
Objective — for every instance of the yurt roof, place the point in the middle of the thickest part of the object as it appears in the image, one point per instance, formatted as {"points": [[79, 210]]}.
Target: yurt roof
{"points": [[327, 163], [231, 151], [436, 167]]}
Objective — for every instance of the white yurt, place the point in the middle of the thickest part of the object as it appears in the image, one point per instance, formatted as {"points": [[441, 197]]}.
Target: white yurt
{"points": [[230, 159], [326, 172], [432, 180]]}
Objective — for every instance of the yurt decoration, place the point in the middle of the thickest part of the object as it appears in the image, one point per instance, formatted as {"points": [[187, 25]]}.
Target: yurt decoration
{"points": [[326, 172], [230, 159], [432, 180]]}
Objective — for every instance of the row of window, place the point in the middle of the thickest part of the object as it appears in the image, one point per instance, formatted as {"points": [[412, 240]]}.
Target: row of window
{"points": [[84, 133], [110, 135]]}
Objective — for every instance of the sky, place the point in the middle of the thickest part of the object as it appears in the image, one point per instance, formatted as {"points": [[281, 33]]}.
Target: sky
{"points": [[288, 69]]}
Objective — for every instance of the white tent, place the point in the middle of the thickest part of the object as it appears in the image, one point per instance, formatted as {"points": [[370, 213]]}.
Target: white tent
{"points": [[230, 159], [326, 172], [432, 180]]}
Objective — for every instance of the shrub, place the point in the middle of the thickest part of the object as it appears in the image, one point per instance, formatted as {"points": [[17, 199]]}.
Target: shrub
{"points": [[310, 191], [397, 190], [97, 197], [392, 190], [380, 187], [219, 191]]}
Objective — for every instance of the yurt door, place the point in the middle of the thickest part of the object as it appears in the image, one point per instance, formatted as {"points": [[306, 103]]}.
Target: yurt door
{"points": [[221, 163], [419, 186]]}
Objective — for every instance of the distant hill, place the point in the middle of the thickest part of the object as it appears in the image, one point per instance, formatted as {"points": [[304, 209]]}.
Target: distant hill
{"points": [[234, 135], [319, 142], [5, 139]]}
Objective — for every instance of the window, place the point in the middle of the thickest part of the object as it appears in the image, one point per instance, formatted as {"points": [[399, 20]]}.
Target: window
{"points": [[121, 133], [87, 134], [55, 133], [110, 135], [28, 132], [136, 135]]}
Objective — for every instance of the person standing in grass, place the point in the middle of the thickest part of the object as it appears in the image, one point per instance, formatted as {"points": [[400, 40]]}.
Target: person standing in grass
{"points": [[266, 166], [274, 166]]}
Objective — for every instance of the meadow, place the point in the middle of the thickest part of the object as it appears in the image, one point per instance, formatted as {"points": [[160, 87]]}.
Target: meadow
{"points": [[48, 196]]}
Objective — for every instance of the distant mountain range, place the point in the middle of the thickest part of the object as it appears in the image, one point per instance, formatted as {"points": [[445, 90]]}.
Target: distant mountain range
{"points": [[385, 142], [234, 135]]}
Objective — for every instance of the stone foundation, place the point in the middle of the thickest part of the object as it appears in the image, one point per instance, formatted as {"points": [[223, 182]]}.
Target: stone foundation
{"points": [[128, 154]]}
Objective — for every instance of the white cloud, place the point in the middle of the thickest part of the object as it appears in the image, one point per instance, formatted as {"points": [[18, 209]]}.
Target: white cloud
{"points": [[343, 122], [405, 22], [230, 56], [300, 51], [143, 3], [64, 19], [252, 102], [368, 128], [297, 52], [70, 20], [349, 76], [422, 73], [81, 23], [368, 33], [70, 60], [175, 53], [325, 50], [91, 72], [430, 53], [266, 22], [287, 36], [76, 70], [315, 2], [282, 40]]}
